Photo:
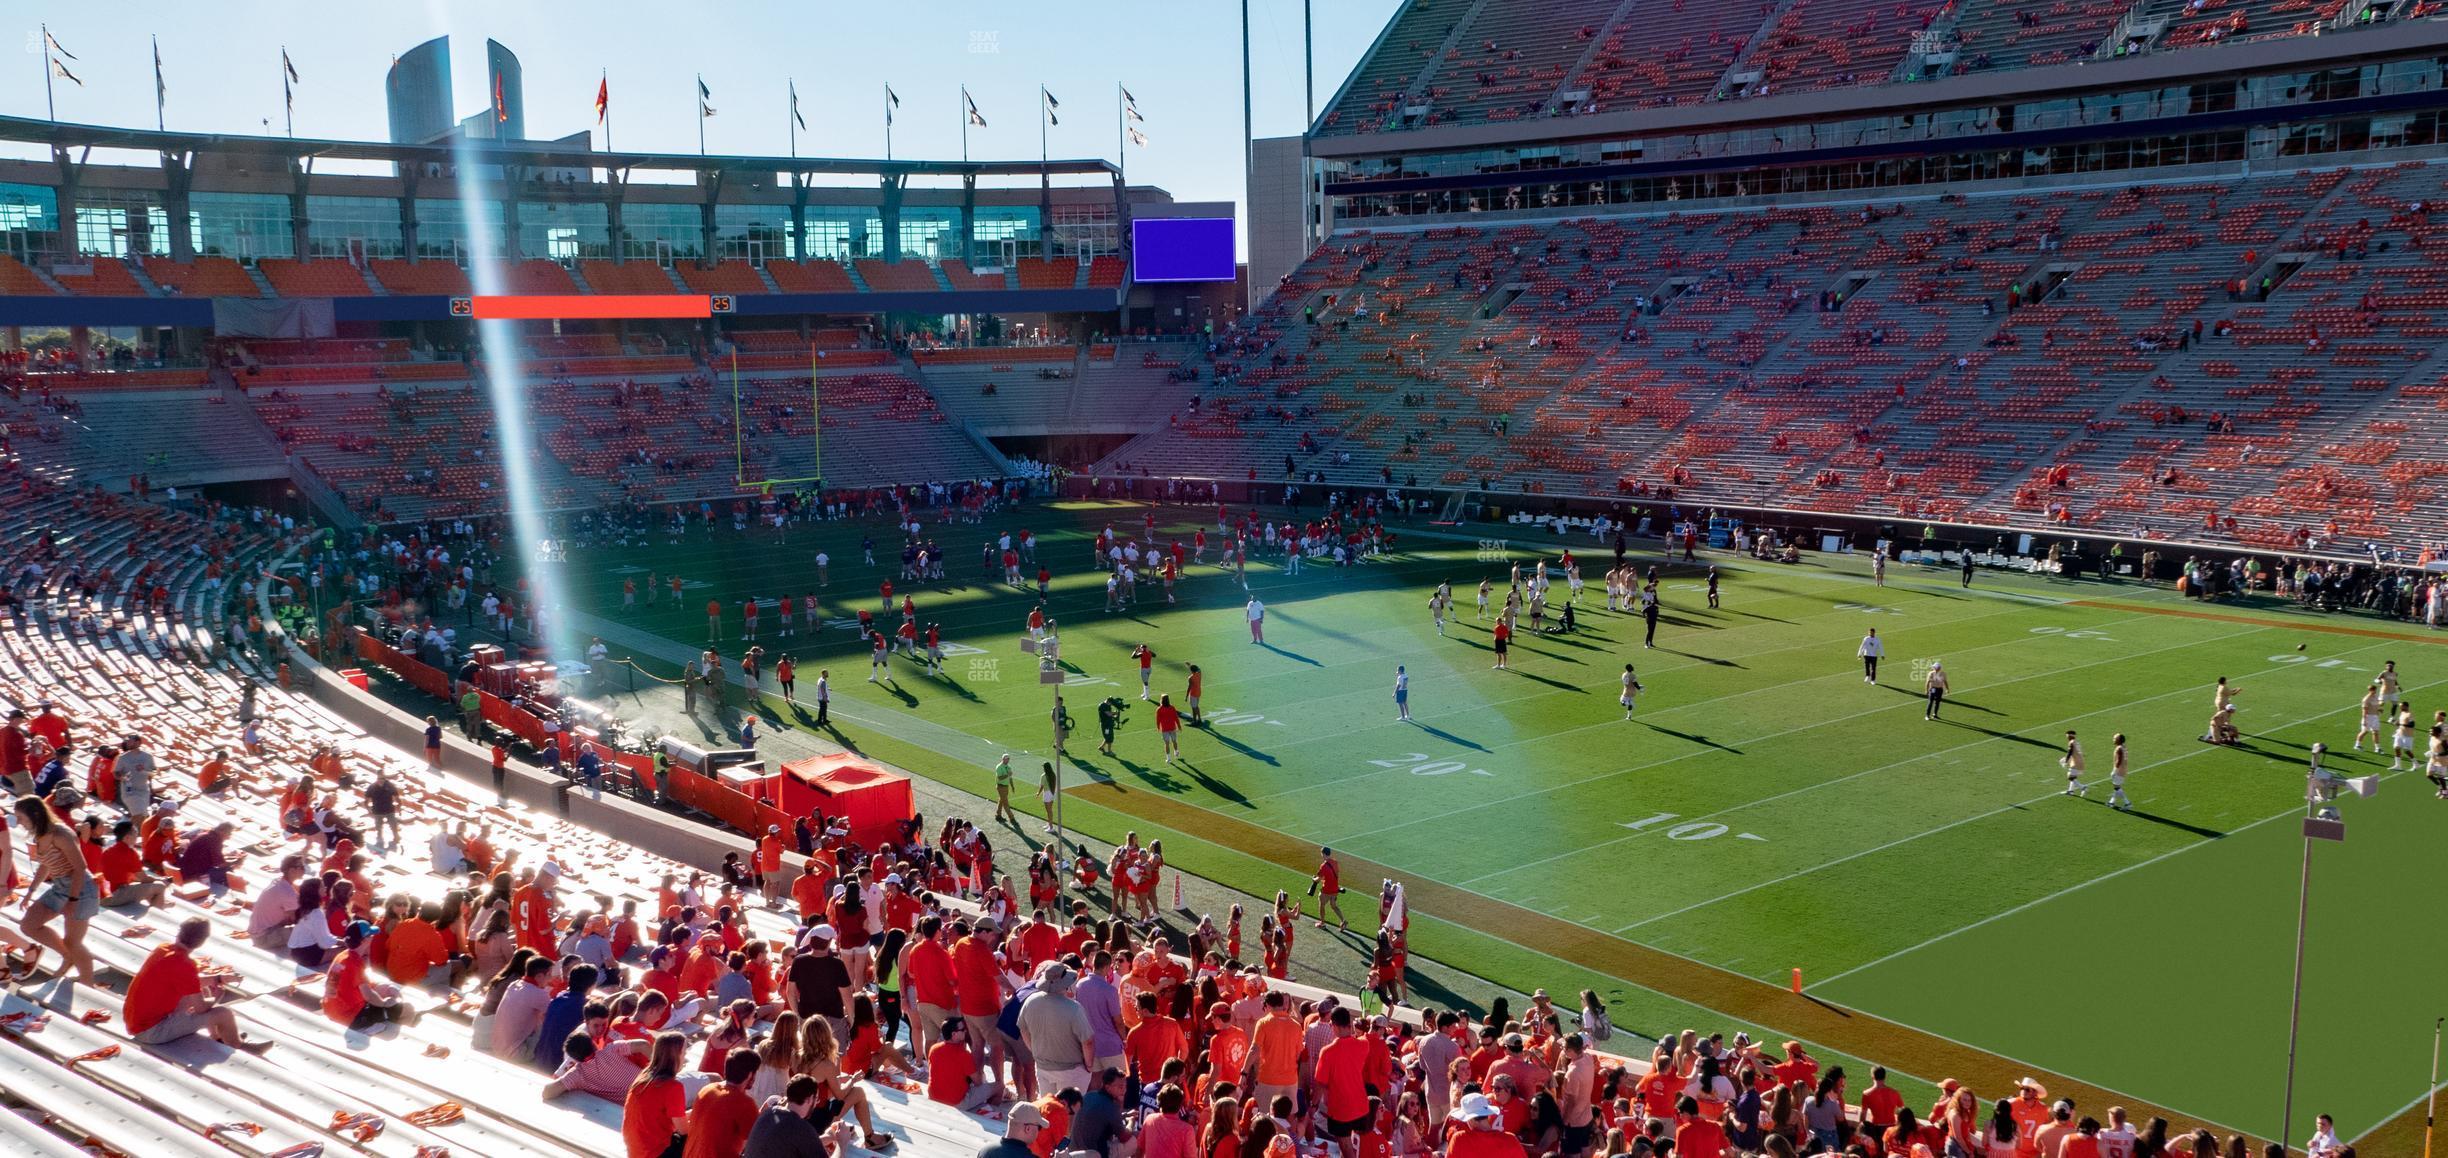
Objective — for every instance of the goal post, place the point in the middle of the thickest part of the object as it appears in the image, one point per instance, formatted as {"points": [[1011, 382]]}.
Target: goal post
{"points": [[739, 430]]}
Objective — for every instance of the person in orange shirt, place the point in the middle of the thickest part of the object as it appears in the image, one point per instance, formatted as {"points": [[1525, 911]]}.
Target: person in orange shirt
{"points": [[1275, 1052], [214, 774], [1156, 1040], [531, 909], [718, 1124], [808, 892], [654, 1113], [1695, 1136], [415, 948], [169, 1000], [769, 866], [714, 620], [1226, 1054]]}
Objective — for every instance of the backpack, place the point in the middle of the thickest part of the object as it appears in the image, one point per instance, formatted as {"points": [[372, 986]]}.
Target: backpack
{"points": [[1601, 1026]]}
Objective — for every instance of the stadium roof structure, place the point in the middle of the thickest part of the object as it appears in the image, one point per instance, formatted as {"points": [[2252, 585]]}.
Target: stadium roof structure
{"points": [[541, 154]]}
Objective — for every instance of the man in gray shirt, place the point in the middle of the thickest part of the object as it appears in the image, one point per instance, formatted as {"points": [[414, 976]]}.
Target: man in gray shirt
{"points": [[1056, 1031], [134, 768], [1103, 1002], [1437, 1052]]}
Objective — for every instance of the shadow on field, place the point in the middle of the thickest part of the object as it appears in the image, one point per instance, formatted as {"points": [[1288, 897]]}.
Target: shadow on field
{"points": [[1241, 749], [1449, 737], [1707, 659], [1559, 685], [1291, 655], [1994, 734], [1754, 615], [2172, 822], [1222, 791], [1695, 738]]}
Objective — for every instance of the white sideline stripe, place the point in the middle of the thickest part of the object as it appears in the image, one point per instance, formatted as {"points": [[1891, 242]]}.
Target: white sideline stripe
{"points": [[1750, 740], [2070, 889], [2020, 804]]}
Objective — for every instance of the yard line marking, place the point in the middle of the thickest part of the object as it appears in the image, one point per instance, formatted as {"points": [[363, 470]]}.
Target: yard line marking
{"points": [[2020, 804], [2066, 891], [1752, 740]]}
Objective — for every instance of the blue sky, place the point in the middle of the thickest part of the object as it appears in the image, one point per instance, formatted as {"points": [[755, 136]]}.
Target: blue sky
{"points": [[1181, 60]]}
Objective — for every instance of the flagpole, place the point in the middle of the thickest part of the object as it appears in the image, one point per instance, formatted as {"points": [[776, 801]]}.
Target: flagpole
{"points": [[888, 122], [794, 125], [1121, 154], [50, 103], [160, 119], [288, 98], [964, 124], [1045, 113], [701, 108]]}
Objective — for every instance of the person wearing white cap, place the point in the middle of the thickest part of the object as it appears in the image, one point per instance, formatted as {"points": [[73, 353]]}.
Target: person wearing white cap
{"points": [[1482, 1136], [1055, 1029], [817, 983], [1934, 685]]}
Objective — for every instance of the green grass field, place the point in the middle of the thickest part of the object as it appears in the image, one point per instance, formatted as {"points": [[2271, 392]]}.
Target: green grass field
{"points": [[1765, 811]]}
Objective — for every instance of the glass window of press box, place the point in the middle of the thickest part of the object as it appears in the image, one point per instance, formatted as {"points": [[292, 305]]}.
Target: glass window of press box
{"points": [[29, 221], [751, 233], [564, 231], [445, 229], [240, 225], [353, 227]]}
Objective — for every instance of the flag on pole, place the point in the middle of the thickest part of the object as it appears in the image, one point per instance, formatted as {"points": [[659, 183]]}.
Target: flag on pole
{"points": [[288, 67], [1138, 138], [704, 98], [161, 88], [1051, 105], [794, 95], [975, 117], [603, 98], [56, 46], [64, 74], [891, 102]]}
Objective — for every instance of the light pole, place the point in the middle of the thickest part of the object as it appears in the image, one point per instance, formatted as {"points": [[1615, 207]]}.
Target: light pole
{"points": [[2321, 822]]}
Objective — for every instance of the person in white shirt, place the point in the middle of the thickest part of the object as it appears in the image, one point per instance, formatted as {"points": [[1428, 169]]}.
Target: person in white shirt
{"points": [[1402, 693], [1934, 685], [2117, 1140], [1631, 691], [1878, 566], [2116, 774], [1257, 620], [2324, 1141], [1872, 650]]}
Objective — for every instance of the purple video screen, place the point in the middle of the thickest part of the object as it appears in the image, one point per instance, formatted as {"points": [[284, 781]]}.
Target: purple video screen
{"points": [[1182, 249]]}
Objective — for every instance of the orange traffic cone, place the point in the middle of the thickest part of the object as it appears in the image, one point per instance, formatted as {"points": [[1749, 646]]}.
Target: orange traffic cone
{"points": [[1797, 981]]}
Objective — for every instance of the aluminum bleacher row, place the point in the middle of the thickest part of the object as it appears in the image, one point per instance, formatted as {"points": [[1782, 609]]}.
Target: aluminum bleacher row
{"points": [[333, 277], [1918, 359], [119, 662]]}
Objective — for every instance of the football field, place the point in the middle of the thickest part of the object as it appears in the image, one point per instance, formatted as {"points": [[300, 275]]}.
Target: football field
{"points": [[1765, 810]]}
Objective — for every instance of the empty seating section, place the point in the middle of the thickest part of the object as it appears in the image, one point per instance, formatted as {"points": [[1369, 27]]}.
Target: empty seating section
{"points": [[1003, 357], [1929, 359], [811, 277], [886, 428], [431, 276], [626, 277], [109, 277], [1831, 43], [318, 351], [205, 277], [962, 277], [905, 276], [1109, 270], [1671, 52], [396, 451], [1374, 94], [317, 278], [1502, 72], [19, 279], [1999, 34], [175, 437], [725, 277], [1047, 273], [537, 276], [768, 340]]}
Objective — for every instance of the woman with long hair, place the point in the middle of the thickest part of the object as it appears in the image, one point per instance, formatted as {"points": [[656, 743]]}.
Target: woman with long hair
{"points": [[869, 1049], [654, 1114], [888, 982], [63, 889], [1260, 1137], [1999, 1140], [2153, 1141], [777, 1057], [820, 1058], [1222, 1138]]}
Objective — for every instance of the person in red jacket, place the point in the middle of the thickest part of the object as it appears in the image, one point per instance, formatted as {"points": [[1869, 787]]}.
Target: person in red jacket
{"points": [[531, 912]]}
